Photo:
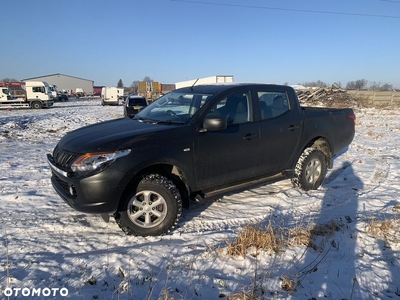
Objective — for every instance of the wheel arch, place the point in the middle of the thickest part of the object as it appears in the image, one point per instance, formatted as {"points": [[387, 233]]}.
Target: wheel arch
{"points": [[169, 170], [322, 144]]}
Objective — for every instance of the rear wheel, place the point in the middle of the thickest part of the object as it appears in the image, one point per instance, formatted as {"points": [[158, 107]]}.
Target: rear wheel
{"points": [[154, 208], [310, 169]]}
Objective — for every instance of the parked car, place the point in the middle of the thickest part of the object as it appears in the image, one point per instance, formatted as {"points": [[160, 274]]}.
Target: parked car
{"points": [[133, 104], [62, 97], [144, 170]]}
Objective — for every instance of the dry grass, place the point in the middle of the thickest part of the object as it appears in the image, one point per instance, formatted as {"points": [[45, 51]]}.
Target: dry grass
{"points": [[242, 296], [380, 228], [276, 239], [289, 284], [269, 238], [165, 295]]}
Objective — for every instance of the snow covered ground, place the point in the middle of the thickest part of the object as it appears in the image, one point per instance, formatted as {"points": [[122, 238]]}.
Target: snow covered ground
{"points": [[50, 251]]}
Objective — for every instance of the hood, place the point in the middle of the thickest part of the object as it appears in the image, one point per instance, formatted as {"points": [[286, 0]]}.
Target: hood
{"points": [[110, 135]]}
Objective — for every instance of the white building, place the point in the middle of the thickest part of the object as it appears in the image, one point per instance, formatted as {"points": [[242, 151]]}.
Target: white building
{"points": [[205, 80], [66, 83]]}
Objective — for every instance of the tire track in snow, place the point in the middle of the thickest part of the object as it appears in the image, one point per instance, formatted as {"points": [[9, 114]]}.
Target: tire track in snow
{"points": [[207, 220]]}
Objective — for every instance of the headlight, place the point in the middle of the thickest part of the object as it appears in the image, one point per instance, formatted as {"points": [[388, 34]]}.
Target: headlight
{"points": [[90, 162]]}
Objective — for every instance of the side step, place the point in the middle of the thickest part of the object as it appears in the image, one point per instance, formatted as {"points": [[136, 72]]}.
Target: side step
{"points": [[211, 195]]}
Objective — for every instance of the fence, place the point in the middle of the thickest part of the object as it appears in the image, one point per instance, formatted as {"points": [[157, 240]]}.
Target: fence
{"points": [[377, 98]]}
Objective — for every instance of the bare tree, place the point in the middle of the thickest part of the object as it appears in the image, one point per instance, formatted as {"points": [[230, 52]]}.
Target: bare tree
{"points": [[317, 83], [374, 86], [386, 87], [357, 85], [135, 86], [10, 80], [148, 79]]}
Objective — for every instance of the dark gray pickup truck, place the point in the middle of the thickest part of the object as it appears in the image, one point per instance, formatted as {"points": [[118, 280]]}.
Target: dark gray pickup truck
{"points": [[191, 143]]}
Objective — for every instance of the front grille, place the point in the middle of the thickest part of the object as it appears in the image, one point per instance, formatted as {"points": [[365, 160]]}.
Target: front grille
{"points": [[63, 158], [64, 185]]}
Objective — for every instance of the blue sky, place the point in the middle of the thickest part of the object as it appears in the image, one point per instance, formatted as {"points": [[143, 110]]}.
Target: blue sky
{"points": [[286, 41]]}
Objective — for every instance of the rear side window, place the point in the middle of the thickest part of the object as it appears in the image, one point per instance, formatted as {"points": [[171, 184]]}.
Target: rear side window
{"points": [[272, 104]]}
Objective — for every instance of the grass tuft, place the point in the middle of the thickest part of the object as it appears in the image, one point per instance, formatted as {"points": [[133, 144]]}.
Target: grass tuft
{"points": [[269, 238]]}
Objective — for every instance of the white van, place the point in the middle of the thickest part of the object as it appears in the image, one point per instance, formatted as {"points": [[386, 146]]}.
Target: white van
{"points": [[111, 95]]}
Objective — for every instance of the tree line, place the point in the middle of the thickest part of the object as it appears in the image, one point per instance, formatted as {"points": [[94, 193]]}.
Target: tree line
{"points": [[361, 84]]}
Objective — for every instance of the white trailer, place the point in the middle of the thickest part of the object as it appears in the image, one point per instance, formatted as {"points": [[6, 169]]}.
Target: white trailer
{"points": [[37, 95], [111, 95], [205, 80]]}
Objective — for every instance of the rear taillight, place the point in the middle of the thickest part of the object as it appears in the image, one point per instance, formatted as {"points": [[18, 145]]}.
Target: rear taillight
{"points": [[352, 117]]}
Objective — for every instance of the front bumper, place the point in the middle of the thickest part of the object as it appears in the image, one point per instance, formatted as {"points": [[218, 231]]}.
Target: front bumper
{"points": [[48, 103], [95, 194]]}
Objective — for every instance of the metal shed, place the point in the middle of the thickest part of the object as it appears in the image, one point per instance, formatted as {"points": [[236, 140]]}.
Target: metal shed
{"points": [[66, 83]]}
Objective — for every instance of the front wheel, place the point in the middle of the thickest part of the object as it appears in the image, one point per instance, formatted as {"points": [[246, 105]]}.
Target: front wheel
{"points": [[310, 169], [154, 208], [36, 105]]}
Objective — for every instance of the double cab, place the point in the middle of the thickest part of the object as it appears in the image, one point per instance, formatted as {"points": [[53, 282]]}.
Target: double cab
{"points": [[192, 143]]}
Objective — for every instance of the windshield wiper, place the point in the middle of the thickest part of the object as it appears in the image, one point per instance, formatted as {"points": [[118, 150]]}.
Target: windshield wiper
{"points": [[146, 120], [169, 122]]}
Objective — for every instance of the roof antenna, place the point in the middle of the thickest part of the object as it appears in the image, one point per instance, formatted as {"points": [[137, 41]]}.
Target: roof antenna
{"points": [[191, 88]]}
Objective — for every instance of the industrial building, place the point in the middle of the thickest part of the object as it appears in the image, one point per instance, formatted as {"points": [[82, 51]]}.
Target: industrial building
{"points": [[66, 83]]}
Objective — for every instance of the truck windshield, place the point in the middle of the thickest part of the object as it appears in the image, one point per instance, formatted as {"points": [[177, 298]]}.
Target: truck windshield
{"points": [[47, 87], [6, 91], [174, 107]]}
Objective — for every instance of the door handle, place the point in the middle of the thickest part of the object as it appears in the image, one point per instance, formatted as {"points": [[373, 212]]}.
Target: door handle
{"points": [[293, 127], [249, 136]]}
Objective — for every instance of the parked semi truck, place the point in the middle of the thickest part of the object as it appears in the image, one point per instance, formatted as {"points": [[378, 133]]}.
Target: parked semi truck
{"points": [[34, 94]]}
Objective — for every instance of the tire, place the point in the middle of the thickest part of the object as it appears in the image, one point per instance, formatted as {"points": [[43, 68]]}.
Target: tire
{"points": [[310, 169], [154, 208], [36, 105]]}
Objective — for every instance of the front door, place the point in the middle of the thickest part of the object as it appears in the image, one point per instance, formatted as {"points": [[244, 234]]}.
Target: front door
{"points": [[230, 155]]}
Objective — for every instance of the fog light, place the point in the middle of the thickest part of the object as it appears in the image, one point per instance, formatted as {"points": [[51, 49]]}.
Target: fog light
{"points": [[72, 190]]}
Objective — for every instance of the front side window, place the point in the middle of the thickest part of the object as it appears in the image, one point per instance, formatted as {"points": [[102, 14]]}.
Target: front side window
{"points": [[235, 107], [38, 89], [272, 104]]}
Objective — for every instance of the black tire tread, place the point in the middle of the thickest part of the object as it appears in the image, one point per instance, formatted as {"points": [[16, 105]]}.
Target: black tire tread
{"points": [[166, 183], [297, 179]]}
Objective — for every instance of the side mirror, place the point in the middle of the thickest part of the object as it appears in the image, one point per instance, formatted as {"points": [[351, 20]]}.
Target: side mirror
{"points": [[214, 123]]}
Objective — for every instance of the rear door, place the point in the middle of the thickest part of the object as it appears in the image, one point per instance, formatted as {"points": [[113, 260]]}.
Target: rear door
{"points": [[229, 155], [280, 128]]}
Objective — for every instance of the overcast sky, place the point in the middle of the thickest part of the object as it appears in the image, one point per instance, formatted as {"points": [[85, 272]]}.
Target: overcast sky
{"points": [[272, 41]]}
